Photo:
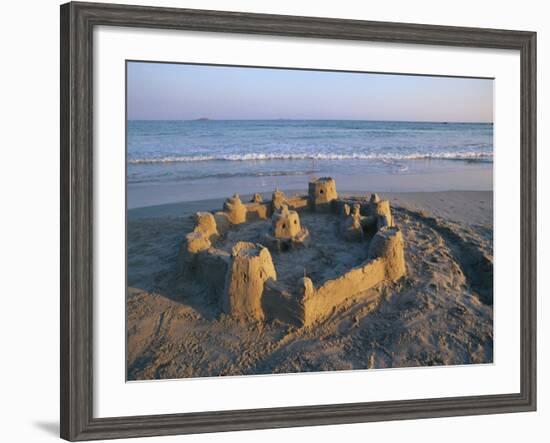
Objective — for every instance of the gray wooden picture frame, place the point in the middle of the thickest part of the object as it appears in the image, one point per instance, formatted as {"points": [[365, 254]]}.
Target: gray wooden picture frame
{"points": [[77, 23]]}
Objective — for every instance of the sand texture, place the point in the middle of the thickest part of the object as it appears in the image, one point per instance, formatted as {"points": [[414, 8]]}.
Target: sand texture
{"points": [[440, 313]]}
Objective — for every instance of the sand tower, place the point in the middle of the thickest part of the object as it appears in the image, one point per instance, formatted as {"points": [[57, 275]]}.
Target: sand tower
{"points": [[236, 211], [321, 192], [351, 227], [200, 239], [285, 232], [285, 223], [256, 198], [388, 243], [251, 266], [277, 200], [381, 211]]}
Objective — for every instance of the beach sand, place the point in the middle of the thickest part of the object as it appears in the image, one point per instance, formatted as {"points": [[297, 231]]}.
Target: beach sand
{"points": [[439, 314]]}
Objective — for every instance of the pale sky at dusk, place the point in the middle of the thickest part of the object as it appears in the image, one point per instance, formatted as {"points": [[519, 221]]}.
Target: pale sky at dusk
{"points": [[161, 91]]}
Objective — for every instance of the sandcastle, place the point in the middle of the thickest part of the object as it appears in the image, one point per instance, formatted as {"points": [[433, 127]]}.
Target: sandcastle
{"points": [[245, 280]]}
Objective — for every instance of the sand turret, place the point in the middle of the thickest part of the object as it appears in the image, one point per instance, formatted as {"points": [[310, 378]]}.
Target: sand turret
{"points": [[285, 223], [381, 211], [321, 193], [351, 227], [235, 210], [286, 232], [256, 198], [388, 244], [202, 236], [345, 210], [251, 266], [206, 223], [277, 200], [305, 288], [200, 239]]}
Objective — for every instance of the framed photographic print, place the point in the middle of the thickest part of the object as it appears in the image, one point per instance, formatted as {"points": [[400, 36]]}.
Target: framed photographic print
{"points": [[272, 221]]}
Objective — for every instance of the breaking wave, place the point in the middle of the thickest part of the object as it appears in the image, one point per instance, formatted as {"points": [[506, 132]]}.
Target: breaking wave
{"points": [[389, 157]]}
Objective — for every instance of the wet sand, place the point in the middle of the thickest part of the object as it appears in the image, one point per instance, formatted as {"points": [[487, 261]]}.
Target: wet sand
{"points": [[439, 314], [457, 176]]}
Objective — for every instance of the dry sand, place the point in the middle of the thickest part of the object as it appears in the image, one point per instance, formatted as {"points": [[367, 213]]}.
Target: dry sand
{"points": [[440, 314]]}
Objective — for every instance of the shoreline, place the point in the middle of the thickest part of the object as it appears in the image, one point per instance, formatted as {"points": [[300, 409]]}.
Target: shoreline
{"points": [[467, 178]]}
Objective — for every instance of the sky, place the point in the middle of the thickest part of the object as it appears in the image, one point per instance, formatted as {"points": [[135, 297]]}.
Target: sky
{"points": [[169, 91]]}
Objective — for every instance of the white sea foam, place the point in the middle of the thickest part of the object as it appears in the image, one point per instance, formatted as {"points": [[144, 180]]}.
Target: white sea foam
{"points": [[389, 157]]}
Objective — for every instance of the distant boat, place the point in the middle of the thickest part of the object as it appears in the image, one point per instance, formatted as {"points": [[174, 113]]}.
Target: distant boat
{"points": [[202, 119]]}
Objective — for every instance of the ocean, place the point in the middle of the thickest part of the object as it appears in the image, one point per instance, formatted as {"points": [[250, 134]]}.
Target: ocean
{"points": [[171, 161]]}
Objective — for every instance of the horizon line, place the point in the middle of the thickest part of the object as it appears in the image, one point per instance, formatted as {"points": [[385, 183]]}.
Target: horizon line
{"points": [[205, 119]]}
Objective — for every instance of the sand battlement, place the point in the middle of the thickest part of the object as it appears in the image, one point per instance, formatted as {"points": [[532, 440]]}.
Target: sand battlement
{"points": [[246, 280]]}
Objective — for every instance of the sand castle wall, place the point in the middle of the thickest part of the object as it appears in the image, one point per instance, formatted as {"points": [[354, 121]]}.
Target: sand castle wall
{"points": [[246, 280], [257, 211], [297, 203], [305, 304], [386, 262], [321, 301], [211, 267], [282, 303]]}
